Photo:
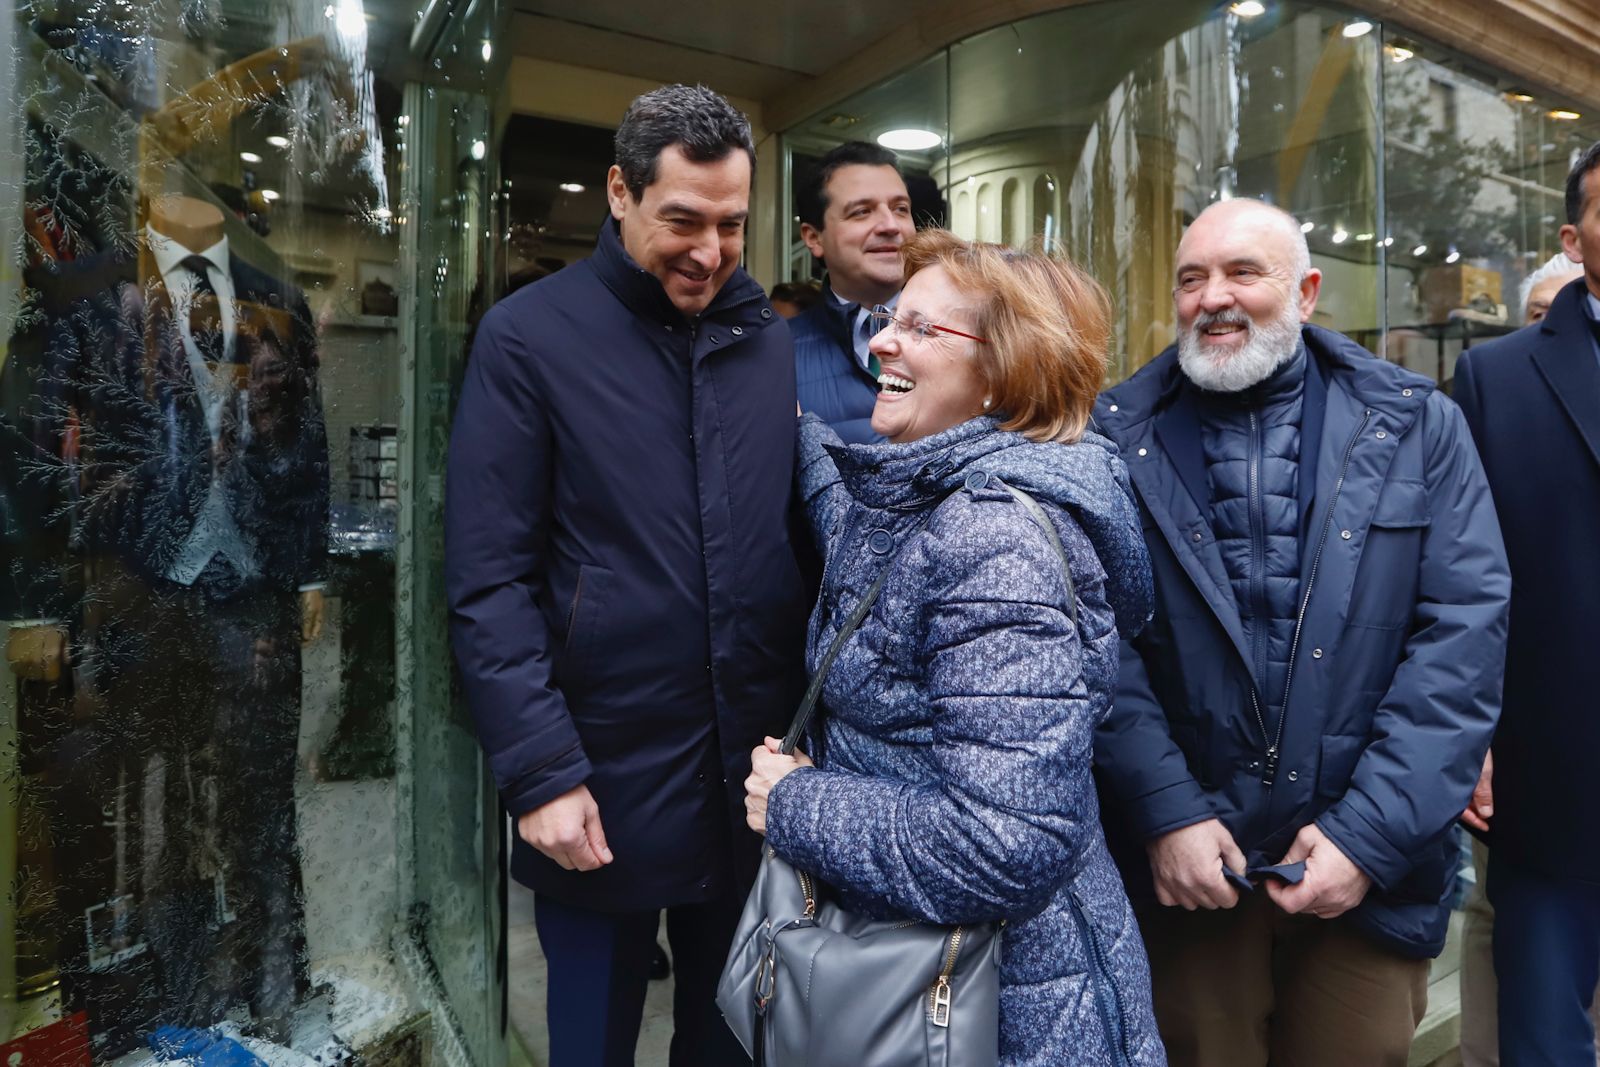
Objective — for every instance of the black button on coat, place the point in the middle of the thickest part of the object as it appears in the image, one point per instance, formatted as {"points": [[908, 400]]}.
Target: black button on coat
{"points": [[625, 604]]}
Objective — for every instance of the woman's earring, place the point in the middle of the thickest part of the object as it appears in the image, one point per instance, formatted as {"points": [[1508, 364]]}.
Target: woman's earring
{"points": [[986, 403]]}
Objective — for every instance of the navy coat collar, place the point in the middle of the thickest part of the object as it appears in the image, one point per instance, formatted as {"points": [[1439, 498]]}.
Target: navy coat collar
{"points": [[1346, 388], [741, 301], [1565, 357]]}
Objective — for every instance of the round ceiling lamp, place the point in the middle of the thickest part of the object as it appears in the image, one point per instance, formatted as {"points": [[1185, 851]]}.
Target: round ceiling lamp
{"points": [[910, 140]]}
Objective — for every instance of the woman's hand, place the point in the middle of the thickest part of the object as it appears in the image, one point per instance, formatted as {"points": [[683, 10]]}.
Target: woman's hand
{"points": [[767, 766]]}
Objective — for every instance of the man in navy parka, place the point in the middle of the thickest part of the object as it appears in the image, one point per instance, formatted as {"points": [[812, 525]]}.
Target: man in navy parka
{"points": [[1322, 675], [624, 599]]}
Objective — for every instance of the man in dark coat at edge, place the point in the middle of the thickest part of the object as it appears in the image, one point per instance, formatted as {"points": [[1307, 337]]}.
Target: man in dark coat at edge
{"points": [[1296, 732], [625, 603], [1533, 402]]}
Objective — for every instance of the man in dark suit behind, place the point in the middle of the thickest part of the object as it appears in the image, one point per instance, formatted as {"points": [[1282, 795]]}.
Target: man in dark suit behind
{"points": [[1533, 402]]}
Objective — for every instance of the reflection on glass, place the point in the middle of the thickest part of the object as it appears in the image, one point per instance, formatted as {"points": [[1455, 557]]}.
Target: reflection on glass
{"points": [[200, 404]]}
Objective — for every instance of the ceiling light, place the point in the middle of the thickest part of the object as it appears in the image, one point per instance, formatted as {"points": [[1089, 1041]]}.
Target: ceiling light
{"points": [[909, 140], [1307, 227], [1340, 237], [1453, 256], [479, 149], [1387, 241], [350, 20], [249, 157], [571, 187], [488, 50], [1363, 236], [1249, 9], [269, 195], [383, 213], [1563, 115], [1519, 96], [1399, 52], [1358, 28], [1419, 250], [278, 141]]}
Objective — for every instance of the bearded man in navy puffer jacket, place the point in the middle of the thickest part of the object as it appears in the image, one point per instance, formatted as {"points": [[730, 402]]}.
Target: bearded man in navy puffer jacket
{"points": [[1296, 732]]}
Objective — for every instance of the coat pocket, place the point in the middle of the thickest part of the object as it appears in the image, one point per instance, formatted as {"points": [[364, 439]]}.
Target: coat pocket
{"points": [[585, 614], [1340, 753]]}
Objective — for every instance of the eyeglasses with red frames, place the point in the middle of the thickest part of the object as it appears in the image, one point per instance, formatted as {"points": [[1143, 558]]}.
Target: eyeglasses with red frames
{"points": [[883, 318]]}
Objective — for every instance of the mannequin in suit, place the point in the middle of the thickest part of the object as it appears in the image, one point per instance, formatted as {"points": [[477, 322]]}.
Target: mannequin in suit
{"points": [[203, 528]]}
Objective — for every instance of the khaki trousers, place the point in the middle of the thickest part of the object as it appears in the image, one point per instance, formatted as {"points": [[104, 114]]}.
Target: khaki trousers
{"points": [[1253, 987]]}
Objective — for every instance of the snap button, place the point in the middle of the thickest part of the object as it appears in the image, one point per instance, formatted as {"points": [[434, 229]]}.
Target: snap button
{"points": [[1381, 435], [1198, 537], [1345, 534], [880, 541], [1113, 407], [766, 313], [1255, 765], [1294, 776], [1316, 653], [738, 331], [1144, 451], [715, 339], [1405, 392], [977, 480]]}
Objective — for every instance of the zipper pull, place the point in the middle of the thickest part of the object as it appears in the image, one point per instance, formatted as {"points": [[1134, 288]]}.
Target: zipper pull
{"points": [[941, 1002], [1269, 769]]}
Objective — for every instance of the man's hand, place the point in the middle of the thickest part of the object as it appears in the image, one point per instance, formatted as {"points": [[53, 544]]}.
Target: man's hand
{"points": [[1187, 865], [1481, 807], [1332, 885], [567, 829]]}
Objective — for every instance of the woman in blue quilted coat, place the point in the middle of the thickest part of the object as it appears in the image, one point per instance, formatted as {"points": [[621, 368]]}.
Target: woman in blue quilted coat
{"points": [[953, 780]]}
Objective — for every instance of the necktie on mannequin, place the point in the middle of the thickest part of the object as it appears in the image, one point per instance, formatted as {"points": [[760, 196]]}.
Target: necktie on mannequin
{"points": [[206, 328]]}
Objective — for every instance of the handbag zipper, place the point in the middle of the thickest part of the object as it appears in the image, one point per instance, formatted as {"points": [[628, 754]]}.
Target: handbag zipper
{"points": [[810, 894], [939, 995]]}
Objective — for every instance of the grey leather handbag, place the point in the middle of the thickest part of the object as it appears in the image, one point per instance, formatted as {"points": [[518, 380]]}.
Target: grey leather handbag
{"points": [[808, 984]]}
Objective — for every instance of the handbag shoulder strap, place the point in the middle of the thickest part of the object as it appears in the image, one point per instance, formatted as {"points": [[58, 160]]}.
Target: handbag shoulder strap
{"points": [[808, 704]]}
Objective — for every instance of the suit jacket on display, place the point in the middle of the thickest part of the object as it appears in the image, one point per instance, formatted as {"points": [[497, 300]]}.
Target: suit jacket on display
{"points": [[1396, 673], [1533, 402], [625, 604], [146, 449]]}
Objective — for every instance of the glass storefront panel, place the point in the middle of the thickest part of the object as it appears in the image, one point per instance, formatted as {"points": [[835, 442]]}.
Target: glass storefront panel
{"points": [[238, 799], [1426, 193], [1474, 182]]}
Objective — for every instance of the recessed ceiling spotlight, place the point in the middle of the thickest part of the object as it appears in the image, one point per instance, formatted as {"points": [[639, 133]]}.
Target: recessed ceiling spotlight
{"points": [[383, 213], [570, 187], [1249, 9], [1399, 53], [909, 140], [1519, 96], [249, 157], [1340, 236], [1561, 114], [278, 141], [479, 149], [1453, 256], [1356, 28], [269, 195], [1307, 227], [1419, 250], [1363, 236]]}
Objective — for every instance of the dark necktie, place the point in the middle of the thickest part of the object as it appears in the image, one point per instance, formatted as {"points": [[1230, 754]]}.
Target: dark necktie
{"points": [[205, 313], [861, 334], [205, 326]]}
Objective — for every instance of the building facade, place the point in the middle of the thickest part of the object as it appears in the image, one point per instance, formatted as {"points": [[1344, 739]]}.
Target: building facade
{"points": [[247, 243]]}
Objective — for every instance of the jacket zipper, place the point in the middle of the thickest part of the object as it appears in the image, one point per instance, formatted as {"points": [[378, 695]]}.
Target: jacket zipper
{"points": [[1271, 769], [1106, 996], [939, 994]]}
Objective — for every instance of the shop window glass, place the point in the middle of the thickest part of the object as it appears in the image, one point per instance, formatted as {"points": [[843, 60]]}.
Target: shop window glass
{"points": [[1474, 182], [222, 401]]}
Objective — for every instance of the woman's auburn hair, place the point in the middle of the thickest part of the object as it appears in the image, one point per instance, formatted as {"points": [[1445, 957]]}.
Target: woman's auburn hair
{"points": [[1047, 325]]}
